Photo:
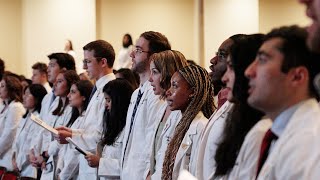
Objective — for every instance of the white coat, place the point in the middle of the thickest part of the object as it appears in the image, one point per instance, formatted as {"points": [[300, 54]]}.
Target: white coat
{"points": [[53, 145], [136, 156], [186, 157], [109, 164], [295, 155], [26, 131], [68, 161], [210, 139], [9, 121], [47, 86], [40, 142], [245, 167], [89, 133], [163, 142]]}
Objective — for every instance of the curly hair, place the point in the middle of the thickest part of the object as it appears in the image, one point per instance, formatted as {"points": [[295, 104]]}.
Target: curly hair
{"points": [[167, 63]]}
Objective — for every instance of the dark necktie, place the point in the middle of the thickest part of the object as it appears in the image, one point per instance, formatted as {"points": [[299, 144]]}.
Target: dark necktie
{"points": [[265, 146], [92, 92], [132, 119], [52, 98]]}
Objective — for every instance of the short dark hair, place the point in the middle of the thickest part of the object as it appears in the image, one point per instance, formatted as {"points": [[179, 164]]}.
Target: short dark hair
{"points": [[64, 60], [38, 92], [157, 41], [42, 67], [130, 76], [102, 49], [296, 52]]}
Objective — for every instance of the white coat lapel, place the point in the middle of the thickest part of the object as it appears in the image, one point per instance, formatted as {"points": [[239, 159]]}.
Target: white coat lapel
{"points": [[23, 124], [185, 146]]}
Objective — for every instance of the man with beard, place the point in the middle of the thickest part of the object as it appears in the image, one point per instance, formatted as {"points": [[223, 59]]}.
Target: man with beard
{"points": [[142, 109], [212, 133], [313, 12], [218, 68], [124, 59]]}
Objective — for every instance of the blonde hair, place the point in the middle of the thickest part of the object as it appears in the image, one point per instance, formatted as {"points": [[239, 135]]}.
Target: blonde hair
{"points": [[167, 63], [198, 78]]}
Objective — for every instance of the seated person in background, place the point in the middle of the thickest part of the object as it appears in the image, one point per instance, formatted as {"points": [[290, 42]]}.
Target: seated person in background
{"points": [[123, 57], [40, 75]]}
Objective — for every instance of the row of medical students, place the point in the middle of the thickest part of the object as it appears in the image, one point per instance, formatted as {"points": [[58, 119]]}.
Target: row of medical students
{"points": [[168, 125]]}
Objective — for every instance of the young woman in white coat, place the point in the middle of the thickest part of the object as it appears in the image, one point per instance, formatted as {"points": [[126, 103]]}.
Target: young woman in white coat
{"points": [[108, 156], [11, 113], [163, 65], [62, 116], [68, 161], [243, 117], [191, 92], [27, 130]]}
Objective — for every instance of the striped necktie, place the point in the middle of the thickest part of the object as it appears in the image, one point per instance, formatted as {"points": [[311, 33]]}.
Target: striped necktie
{"points": [[92, 92], [132, 119]]}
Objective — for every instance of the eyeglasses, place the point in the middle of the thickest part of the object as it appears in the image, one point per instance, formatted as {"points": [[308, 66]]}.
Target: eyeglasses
{"points": [[222, 55], [138, 51]]}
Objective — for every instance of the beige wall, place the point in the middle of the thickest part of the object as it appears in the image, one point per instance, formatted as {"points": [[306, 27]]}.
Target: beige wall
{"points": [[32, 29], [275, 13], [225, 18], [48, 23], [173, 18], [11, 34]]}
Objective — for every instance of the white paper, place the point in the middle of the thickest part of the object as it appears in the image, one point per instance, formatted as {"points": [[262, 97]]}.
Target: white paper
{"points": [[76, 145], [43, 124], [185, 175]]}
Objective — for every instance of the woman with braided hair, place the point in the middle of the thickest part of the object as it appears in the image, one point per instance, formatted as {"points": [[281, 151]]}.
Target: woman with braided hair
{"points": [[191, 92], [163, 65]]}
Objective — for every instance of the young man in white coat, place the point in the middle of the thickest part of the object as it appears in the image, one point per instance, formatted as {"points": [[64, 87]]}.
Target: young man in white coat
{"points": [[280, 81], [58, 62], [139, 129], [211, 134], [98, 62]]}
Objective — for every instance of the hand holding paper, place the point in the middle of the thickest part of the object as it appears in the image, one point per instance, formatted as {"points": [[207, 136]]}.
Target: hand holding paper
{"points": [[63, 133], [82, 151], [43, 124]]}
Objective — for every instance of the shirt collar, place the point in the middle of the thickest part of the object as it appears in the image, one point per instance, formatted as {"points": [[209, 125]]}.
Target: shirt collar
{"points": [[144, 86], [282, 120], [104, 80]]}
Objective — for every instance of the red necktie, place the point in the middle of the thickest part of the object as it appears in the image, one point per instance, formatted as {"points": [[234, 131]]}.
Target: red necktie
{"points": [[265, 146]]}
